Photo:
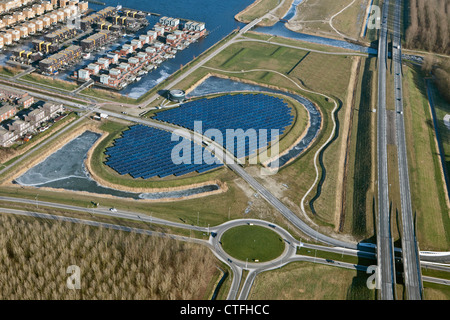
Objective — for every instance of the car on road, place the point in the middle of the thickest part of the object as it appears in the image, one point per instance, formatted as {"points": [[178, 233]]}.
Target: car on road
{"points": [[113, 209]]}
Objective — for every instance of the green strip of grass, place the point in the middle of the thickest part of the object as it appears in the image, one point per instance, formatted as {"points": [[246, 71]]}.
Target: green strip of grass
{"points": [[252, 243]]}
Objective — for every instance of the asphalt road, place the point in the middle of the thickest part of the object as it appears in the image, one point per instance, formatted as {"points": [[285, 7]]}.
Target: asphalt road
{"points": [[410, 252], [385, 252]]}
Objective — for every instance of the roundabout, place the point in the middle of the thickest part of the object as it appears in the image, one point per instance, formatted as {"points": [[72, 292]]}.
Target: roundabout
{"points": [[283, 254]]}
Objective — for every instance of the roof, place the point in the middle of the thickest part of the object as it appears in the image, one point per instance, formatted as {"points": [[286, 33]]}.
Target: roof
{"points": [[5, 108]]}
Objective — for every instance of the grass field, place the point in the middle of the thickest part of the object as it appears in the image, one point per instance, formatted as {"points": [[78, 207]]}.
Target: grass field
{"points": [[429, 205], [9, 72], [249, 55], [308, 281], [313, 16], [433, 291], [442, 108], [252, 243], [361, 191], [108, 95]]}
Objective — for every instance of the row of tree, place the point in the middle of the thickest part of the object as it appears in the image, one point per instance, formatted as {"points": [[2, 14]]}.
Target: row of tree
{"points": [[429, 26]]}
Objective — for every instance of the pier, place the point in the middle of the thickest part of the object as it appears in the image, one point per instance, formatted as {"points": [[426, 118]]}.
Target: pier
{"points": [[97, 2]]}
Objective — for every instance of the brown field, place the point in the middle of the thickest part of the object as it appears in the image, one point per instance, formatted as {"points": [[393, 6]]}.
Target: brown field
{"points": [[114, 264]]}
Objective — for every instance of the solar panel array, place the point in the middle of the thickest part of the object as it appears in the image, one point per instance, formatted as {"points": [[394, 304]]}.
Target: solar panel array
{"points": [[145, 152], [240, 111]]}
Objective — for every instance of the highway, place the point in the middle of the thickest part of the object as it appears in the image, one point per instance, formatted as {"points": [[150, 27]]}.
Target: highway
{"points": [[410, 252], [385, 252]]}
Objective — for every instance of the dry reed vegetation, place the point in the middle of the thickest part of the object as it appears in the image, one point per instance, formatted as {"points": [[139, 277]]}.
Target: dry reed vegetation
{"points": [[35, 255], [429, 25]]}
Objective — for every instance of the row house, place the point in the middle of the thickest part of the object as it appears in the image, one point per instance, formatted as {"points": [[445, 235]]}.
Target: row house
{"points": [[7, 137], [7, 111]]}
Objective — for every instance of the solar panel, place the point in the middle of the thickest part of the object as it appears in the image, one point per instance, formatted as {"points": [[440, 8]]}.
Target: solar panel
{"points": [[240, 111], [145, 152]]}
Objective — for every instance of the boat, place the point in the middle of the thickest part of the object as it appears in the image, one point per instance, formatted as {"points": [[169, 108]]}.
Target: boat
{"points": [[138, 79]]}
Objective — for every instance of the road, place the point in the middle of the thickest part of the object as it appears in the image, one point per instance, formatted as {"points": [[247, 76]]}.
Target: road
{"points": [[410, 251], [385, 252]]}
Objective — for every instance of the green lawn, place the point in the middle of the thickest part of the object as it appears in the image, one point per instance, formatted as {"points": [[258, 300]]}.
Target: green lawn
{"points": [[250, 55], [10, 72], [360, 186], [252, 243]]}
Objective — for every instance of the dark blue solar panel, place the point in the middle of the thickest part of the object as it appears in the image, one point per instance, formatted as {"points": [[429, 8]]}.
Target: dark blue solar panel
{"points": [[241, 111], [145, 152]]}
